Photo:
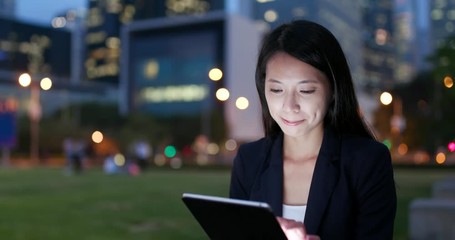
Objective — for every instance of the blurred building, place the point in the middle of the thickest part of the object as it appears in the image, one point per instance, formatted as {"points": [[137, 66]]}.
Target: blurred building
{"points": [[154, 55], [351, 22], [342, 18], [39, 51], [166, 63], [7, 8], [52, 52], [442, 16], [379, 48], [412, 38]]}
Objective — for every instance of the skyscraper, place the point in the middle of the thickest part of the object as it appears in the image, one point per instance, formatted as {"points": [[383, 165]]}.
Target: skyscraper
{"points": [[379, 48], [7, 8]]}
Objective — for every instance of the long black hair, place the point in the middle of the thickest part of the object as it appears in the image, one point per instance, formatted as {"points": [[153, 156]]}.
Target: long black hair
{"points": [[315, 45]]}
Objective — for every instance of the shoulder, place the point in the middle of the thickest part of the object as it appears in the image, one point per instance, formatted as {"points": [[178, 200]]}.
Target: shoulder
{"points": [[364, 154], [356, 146], [255, 145], [365, 158], [254, 151], [247, 162]]}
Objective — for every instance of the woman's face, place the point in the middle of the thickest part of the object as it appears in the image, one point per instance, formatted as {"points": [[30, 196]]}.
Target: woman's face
{"points": [[298, 95]]}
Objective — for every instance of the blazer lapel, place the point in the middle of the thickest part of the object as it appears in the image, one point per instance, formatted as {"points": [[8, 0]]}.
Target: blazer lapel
{"points": [[324, 180], [275, 177], [268, 186]]}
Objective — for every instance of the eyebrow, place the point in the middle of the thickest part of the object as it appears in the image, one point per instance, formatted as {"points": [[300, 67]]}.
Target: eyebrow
{"points": [[303, 81]]}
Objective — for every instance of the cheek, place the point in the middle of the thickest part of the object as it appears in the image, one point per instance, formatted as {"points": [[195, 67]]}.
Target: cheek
{"points": [[318, 108], [273, 105]]}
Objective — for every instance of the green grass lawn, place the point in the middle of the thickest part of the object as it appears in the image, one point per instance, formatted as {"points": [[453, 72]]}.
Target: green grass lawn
{"points": [[44, 203]]}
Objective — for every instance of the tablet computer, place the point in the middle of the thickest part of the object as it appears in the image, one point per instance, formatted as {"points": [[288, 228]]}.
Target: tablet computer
{"points": [[225, 218]]}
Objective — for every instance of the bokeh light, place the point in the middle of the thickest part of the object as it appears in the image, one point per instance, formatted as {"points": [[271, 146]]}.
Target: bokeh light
{"points": [[387, 143], [386, 98], [242, 103], [222, 94], [215, 74], [270, 15], [46, 84], [402, 149], [119, 160], [448, 82], [58, 22], [159, 160], [451, 146], [97, 137], [230, 145], [440, 158], [421, 157], [25, 80], [176, 163], [213, 148], [170, 151]]}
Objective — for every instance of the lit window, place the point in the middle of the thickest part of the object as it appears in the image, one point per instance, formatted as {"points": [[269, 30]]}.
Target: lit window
{"points": [[58, 22], [381, 36], [298, 12], [449, 27], [151, 69], [437, 14], [451, 15]]}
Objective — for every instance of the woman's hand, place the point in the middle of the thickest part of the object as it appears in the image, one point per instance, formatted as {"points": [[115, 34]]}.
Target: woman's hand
{"points": [[295, 230]]}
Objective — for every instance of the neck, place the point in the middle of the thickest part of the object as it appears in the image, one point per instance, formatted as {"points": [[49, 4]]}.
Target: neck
{"points": [[303, 148]]}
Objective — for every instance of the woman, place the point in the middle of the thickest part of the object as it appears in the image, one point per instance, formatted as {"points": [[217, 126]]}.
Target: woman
{"points": [[319, 166]]}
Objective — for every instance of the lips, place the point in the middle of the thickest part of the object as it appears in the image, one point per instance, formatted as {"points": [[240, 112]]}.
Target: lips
{"points": [[292, 123]]}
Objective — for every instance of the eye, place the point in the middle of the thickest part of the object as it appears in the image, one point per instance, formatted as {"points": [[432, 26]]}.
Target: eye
{"points": [[275, 90], [308, 91]]}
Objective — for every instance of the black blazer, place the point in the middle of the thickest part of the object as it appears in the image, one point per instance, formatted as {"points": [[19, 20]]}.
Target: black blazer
{"points": [[352, 193]]}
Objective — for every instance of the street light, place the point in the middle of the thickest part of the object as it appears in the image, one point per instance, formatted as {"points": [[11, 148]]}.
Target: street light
{"points": [[34, 110]]}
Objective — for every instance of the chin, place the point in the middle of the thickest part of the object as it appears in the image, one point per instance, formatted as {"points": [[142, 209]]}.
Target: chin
{"points": [[292, 133]]}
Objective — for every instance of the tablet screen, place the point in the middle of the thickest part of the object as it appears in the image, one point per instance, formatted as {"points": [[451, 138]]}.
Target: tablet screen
{"points": [[225, 218]]}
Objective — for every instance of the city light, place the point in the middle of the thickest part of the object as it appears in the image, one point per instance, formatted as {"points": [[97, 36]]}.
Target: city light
{"points": [[215, 74], [386, 98], [381, 36], [46, 84], [270, 16], [175, 163], [119, 159], [242, 103], [25, 80], [440, 158], [448, 82], [387, 143], [58, 22], [213, 148], [230, 145], [222, 94], [181, 93], [113, 42], [170, 151], [159, 160], [402, 149], [97, 137], [451, 146]]}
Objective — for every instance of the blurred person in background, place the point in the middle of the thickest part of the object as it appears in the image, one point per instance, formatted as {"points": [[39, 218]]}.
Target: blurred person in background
{"points": [[141, 154], [74, 154], [319, 166]]}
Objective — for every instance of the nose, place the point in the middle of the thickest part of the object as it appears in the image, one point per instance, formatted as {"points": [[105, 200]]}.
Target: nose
{"points": [[290, 103]]}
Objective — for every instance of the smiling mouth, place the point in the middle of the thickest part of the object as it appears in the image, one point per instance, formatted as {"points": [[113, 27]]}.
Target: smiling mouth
{"points": [[292, 123]]}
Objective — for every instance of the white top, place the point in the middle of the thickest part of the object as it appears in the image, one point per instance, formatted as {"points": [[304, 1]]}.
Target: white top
{"points": [[294, 212]]}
